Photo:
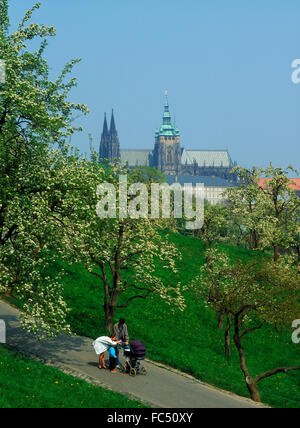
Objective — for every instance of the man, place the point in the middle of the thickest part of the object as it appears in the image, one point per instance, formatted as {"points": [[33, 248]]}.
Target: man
{"points": [[103, 344], [121, 333]]}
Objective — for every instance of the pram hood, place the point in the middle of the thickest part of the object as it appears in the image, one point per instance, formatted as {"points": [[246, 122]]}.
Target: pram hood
{"points": [[138, 349]]}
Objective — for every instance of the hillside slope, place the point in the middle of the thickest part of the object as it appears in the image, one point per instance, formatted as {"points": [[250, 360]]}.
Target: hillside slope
{"points": [[190, 340]]}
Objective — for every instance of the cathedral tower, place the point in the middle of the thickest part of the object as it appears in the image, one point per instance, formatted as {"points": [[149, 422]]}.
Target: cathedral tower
{"points": [[109, 145], [167, 150], [115, 145]]}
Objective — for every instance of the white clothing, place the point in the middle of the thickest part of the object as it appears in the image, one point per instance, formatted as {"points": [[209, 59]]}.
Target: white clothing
{"points": [[102, 344]]}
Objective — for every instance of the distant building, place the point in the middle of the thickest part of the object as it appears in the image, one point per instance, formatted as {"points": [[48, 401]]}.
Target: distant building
{"points": [[109, 146], [294, 184], [167, 155], [214, 187]]}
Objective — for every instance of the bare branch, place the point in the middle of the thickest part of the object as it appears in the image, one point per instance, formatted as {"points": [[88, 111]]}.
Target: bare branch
{"points": [[249, 330], [134, 297], [275, 371]]}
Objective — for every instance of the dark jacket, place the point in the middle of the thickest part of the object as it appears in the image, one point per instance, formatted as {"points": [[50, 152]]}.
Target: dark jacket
{"points": [[123, 335]]}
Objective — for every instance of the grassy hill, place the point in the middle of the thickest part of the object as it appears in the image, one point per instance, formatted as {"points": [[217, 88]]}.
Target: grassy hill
{"points": [[25, 383], [190, 340]]}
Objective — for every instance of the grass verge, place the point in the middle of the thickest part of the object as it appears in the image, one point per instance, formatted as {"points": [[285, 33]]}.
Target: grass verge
{"points": [[25, 383]]}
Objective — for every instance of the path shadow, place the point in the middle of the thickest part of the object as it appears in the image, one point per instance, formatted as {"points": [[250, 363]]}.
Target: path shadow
{"points": [[60, 350], [94, 364]]}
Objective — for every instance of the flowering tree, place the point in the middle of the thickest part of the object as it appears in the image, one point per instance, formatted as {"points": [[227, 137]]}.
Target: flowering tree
{"points": [[121, 253], [251, 296], [35, 117], [296, 234], [266, 215], [245, 211], [281, 204], [214, 222]]}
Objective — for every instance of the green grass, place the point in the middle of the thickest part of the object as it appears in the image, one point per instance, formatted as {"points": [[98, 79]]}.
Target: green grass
{"points": [[25, 383], [190, 341]]}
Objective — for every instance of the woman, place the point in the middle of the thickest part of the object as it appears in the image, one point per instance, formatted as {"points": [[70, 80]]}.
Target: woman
{"points": [[101, 345]]}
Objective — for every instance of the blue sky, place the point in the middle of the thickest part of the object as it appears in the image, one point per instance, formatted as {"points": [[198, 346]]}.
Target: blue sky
{"points": [[226, 66]]}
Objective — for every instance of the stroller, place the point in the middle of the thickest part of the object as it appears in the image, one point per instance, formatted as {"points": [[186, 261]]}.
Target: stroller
{"points": [[134, 356]]}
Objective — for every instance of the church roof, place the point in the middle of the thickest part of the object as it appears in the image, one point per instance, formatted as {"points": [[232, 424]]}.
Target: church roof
{"points": [[206, 158], [136, 157]]}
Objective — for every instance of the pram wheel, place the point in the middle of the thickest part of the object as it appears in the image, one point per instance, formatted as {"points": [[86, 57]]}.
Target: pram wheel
{"points": [[143, 371], [132, 372], [123, 368]]}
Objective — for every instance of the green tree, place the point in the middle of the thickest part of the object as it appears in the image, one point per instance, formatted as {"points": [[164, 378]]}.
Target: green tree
{"points": [[265, 214], [121, 253], [215, 221], [252, 296], [149, 175], [35, 120], [281, 203], [245, 206]]}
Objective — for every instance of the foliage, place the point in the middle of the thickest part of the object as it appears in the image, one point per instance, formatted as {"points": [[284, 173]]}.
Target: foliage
{"points": [[265, 215], [35, 120], [215, 221], [195, 329], [120, 252], [252, 295]]}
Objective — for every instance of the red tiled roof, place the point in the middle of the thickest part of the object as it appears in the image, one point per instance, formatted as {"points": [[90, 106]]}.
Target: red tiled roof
{"points": [[294, 183]]}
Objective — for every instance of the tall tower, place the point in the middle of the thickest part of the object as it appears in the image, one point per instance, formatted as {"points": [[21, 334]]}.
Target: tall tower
{"points": [[109, 145], [167, 150], [115, 145], [105, 141]]}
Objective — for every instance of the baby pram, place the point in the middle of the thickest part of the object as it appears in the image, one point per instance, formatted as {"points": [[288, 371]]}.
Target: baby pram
{"points": [[134, 357]]}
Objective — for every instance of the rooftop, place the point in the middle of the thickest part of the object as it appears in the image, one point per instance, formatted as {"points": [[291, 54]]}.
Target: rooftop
{"points": [[294, 183]]}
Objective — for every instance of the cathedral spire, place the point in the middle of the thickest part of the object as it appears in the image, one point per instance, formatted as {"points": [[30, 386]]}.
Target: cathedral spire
{"points": [[167, 115], [113, 129], [105, 127]]}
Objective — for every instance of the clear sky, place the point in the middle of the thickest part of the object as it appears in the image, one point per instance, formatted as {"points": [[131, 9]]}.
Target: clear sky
{"points": [[226, 66]]}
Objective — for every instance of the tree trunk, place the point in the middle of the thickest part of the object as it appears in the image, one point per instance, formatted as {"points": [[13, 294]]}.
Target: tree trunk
{"points": [[227, 338], [8, 292], [251, 384], [276, 253], [256, 240], [110, 310], [253, 389], [109, 318], [220, 319]]}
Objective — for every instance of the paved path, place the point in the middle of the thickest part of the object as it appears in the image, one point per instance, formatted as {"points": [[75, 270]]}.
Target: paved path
{"points": [[160, 388]]}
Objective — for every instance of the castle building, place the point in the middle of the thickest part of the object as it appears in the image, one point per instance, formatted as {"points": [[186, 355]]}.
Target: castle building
{"points": [[167, 155]]}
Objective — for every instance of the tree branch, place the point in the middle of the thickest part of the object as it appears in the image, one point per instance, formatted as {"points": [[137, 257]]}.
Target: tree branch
{"points": [[132, 298], [249, 330], [275, 371]]}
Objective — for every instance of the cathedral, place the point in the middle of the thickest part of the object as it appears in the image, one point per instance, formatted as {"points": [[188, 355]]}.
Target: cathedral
{"points": [[167, 155]]}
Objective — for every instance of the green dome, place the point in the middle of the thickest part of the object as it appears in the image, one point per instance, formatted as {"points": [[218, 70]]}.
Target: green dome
{"points": [[167, 129]]}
